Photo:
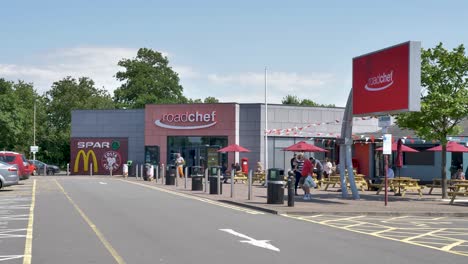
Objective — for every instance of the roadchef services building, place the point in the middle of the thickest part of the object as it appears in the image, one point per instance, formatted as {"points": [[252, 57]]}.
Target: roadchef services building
{"points": [[108, 138]]}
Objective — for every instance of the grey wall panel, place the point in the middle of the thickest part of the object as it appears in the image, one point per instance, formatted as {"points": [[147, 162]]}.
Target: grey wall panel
{"points": [[113, 123]]}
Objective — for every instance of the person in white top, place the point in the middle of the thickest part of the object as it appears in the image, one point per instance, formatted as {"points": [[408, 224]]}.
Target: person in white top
{"points": [[180, 162], [390, 173], [328, 168]]}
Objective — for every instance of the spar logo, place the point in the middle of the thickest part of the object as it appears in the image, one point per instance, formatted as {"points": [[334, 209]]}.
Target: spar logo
{"points": [[379, 82], [187, 120], [82, 155], [111, 160]]}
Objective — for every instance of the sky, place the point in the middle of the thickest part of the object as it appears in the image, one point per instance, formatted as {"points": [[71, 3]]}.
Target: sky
{"points": [[220, 48]]}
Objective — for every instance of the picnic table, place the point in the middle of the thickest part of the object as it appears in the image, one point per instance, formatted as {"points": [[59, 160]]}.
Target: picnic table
{"points": [[458, 191], [359, 179], [436, 183], [402, 184]]}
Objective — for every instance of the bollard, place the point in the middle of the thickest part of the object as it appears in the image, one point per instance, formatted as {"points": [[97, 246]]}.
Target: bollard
{"points": [[163, 174], [91, 169], [176, 176], [249, 196], [110, 171], [136, 171], [206, 180], [232, 185], [291, 181], [156, 171], [185, 176], [141, 171], [45, 170], [68, 169], [219, 182]]}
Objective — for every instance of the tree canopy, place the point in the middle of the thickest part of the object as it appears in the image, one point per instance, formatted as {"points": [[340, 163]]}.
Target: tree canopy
{"points": [[444, 98], [294, 100], [147, 79]]}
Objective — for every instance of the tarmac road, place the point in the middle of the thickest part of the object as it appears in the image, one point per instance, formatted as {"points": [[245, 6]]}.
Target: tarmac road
{"points": [[98, 220]]}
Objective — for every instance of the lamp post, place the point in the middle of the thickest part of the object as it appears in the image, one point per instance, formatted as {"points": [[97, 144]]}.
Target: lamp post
{"points": [[266, 127]]}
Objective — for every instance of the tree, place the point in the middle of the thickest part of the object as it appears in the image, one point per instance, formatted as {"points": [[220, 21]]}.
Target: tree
{"points": [[444, 100], [210, 100], [294, 100], [148, 79], [66, 95]]}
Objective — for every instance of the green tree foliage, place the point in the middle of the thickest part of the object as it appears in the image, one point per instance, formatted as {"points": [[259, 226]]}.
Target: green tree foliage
{"points": [[294, 100], [444, 100], [210, 100], [147, 79], [66, 95]]}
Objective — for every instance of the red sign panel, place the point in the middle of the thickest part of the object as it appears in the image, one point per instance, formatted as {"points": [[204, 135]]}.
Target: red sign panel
{"points": [[98, 154], [387, 81]]}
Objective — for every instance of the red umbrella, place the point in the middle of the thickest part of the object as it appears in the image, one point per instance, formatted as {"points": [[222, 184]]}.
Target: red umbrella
{"points": [[403, 148], [234, 148], [304, 147], [452, 146]]}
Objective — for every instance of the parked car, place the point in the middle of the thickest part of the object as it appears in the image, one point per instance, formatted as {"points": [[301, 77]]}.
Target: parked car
{"points": [[8, 174], [19, 160], [31, 167], [39, 165]]}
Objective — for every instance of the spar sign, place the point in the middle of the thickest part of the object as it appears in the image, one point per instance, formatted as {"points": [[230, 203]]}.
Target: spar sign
{"points": [[388, 81], [99, 155]]}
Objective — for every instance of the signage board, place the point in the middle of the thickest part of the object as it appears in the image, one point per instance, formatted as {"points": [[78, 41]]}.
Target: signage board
{"points": [[387, 144], [385, 121], [387, 81], [34, 149]]}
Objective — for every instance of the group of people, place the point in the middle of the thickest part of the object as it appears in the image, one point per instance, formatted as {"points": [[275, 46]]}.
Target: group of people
{"points": [[304, 168]]}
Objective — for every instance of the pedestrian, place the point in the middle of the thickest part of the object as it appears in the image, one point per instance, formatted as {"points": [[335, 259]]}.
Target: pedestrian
{"points": [[180, 162], [318, 168], [459, 175], [328, 168], [297, 169], [306, 173], [293, 161], [390, 173]]}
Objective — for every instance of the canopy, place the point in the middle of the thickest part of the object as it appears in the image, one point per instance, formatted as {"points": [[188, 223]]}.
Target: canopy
{"points": [[304, 147], [452, 146], [403, 148], [234, 148]]}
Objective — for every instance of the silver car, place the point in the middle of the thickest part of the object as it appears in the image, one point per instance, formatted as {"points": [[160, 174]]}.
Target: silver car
{"points": [[8, 174]]}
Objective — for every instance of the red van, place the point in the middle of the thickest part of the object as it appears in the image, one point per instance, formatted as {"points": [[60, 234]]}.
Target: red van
{"points": [[20, 161]]}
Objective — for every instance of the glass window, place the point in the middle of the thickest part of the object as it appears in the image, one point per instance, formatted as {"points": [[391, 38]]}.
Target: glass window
{"points": [[422, 157]]}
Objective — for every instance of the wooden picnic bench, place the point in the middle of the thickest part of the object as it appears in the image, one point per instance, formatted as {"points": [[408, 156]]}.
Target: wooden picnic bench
{"points": [[240, 176], [458, 191], [359, 179], [436, 183], [405, 184], [331, 180], [258, 176]]}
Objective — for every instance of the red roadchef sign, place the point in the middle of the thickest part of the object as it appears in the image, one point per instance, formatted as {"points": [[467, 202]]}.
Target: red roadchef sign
{"points": [[387, 81]]}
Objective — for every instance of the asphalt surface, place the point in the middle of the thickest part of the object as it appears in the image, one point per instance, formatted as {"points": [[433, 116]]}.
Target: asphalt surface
{"points": [[98, 220]]}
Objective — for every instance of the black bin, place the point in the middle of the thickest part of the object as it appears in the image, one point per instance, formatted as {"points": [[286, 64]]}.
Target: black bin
{"points": [[213, 173], [196, 172], [170, 175], [275, 190]]}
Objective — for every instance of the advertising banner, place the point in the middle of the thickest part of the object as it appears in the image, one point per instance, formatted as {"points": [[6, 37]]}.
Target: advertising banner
{"points": [[98, 154], [388, 81]]}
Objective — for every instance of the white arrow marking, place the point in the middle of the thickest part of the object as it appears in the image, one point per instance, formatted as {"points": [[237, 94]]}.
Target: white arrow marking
{"points": [[102, 183], [258, 243]]}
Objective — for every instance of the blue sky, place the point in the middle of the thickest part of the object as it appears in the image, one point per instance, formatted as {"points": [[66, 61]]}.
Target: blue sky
{"points": [[220, 48]]}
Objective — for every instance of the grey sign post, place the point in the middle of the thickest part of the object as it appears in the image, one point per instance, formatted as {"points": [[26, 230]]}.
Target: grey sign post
{"points": [[206, 180], [219, 182], [250, 186], [185, 176]]}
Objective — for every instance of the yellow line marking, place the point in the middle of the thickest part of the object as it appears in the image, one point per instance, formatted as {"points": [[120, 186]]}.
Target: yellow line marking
{"points": [[29, 234], [249, 211], [383, 231], [98, 233], [449, 247], [377, 235], [423, 235]]}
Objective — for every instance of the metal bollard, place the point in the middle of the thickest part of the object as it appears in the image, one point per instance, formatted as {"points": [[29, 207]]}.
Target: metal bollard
{"points": [[163, 173], [291, 181], [110, 171], [91, 169], [206, 180], [141, 171], [250, 186], [185, 176], [68, 169], [136, 171], [232, 184], [176, 176], [219, 182], [45, 170], [156, 172]]}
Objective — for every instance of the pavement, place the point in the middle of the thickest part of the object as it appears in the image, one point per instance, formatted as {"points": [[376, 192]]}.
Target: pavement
{"points": [[328, 202]]}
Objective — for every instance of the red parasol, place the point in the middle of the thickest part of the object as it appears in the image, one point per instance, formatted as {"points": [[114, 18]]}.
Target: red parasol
{"points": [[304, 147], [452, 146], [403, 148], [399, 155], [234, 148]]}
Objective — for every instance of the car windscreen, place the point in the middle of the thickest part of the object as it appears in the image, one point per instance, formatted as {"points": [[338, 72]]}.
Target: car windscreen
{"points": [[7, 158]]}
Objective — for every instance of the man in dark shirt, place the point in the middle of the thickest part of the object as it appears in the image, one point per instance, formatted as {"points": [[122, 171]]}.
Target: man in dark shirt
{"points": [[318, 167]]}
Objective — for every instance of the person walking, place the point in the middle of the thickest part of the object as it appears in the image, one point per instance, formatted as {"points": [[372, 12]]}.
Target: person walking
{"points": [[328, 168], [180, 162], [306, 173], [318, 167]]}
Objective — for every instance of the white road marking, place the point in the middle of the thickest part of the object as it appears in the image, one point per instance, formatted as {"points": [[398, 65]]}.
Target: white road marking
{"points": [[102, 182], [258, 243]]}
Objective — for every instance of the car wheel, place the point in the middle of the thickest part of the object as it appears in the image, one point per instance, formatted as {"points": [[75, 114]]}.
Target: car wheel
{"points": [[34, 173]]}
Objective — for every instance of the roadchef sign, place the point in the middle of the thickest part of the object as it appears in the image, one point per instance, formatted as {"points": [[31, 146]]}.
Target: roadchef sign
{"points": [[387, 81], [187, 120]]}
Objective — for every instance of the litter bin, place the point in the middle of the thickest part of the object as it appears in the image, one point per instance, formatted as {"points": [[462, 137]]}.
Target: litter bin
{"points": [[171, 175], [196, 173], [275, 190], [214, 180]]}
